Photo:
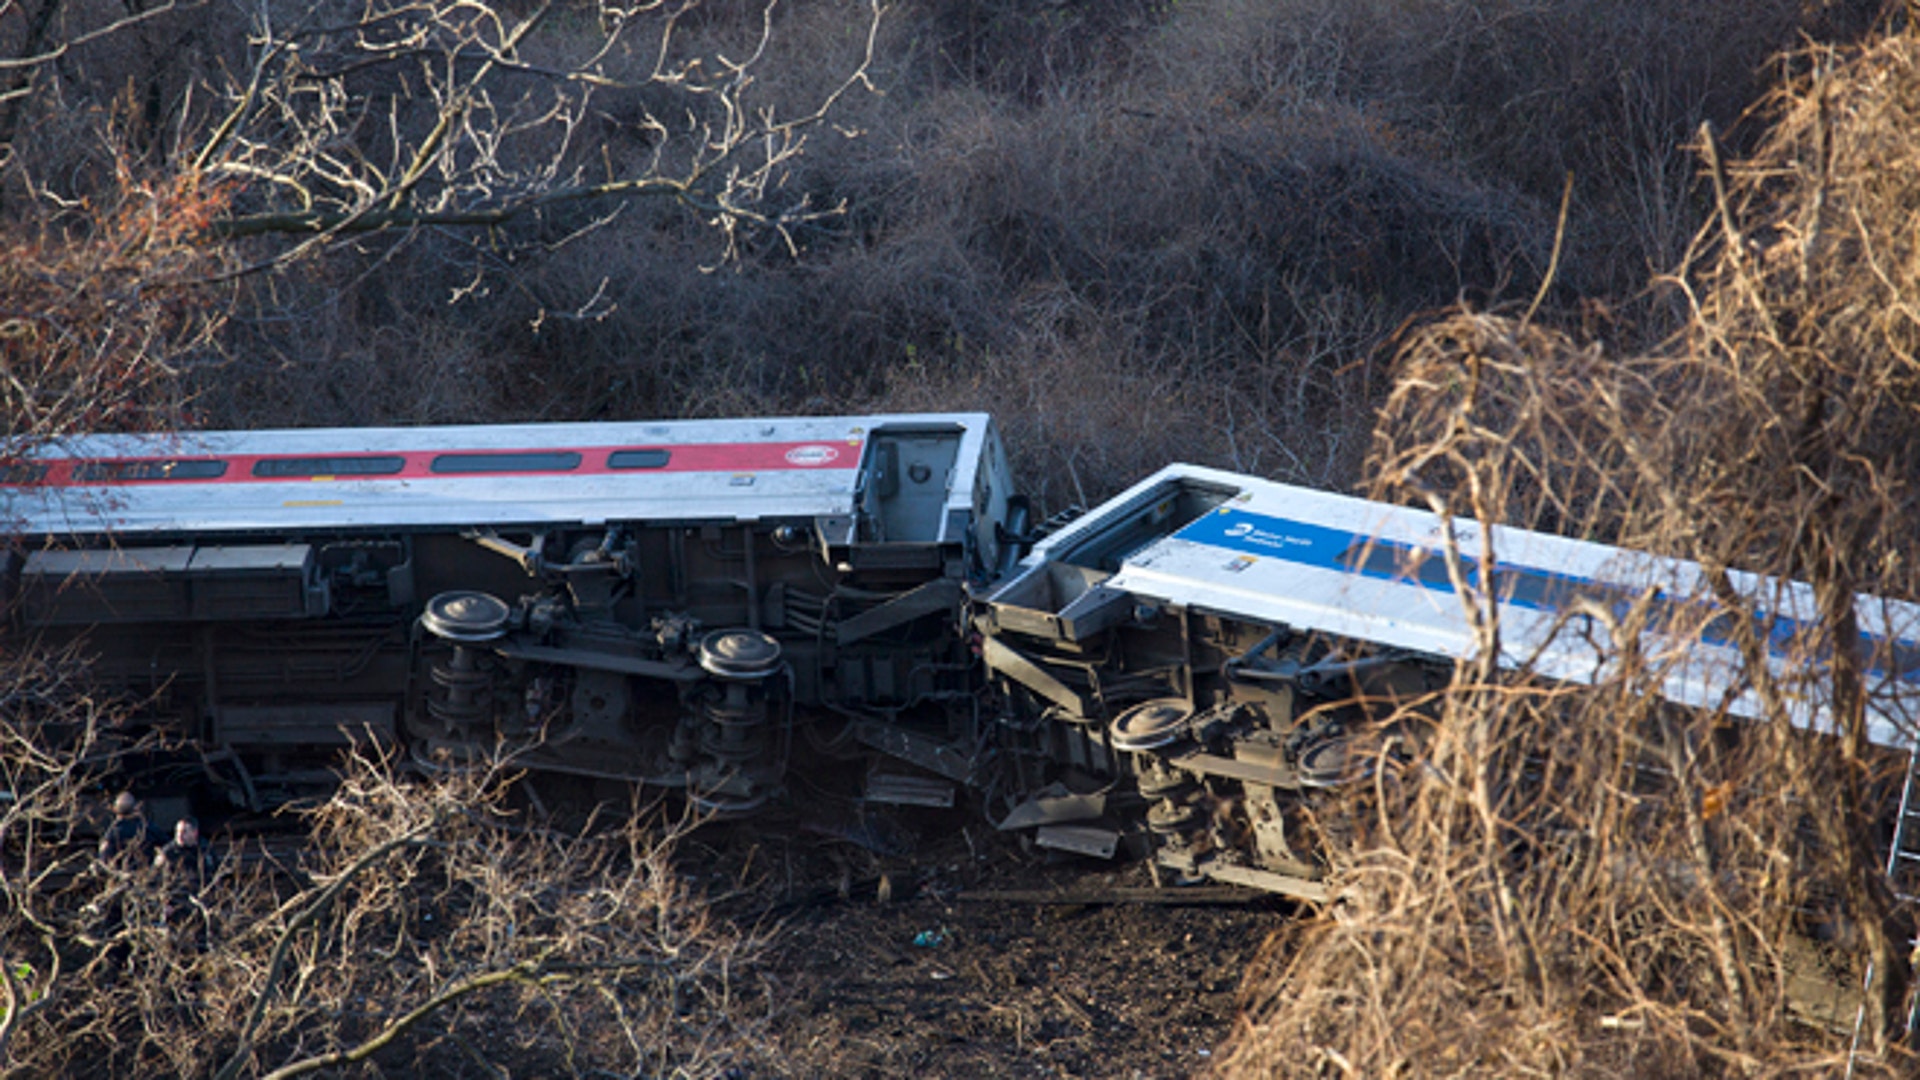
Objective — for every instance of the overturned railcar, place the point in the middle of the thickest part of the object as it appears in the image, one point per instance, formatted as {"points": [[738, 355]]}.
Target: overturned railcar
{"points": [[1202, 652], [648, 602]]}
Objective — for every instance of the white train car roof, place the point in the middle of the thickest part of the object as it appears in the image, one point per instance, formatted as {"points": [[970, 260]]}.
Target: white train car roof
{"points": [[194, 483], [1378, 573]]}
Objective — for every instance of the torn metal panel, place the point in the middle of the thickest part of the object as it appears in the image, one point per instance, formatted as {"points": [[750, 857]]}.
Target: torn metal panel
{"points": [[900, 789], [1055, 805], [1079, 839]]}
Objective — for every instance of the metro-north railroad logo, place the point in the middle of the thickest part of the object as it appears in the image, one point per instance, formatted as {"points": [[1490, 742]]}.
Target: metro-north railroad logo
{"points": [[815, 454], [1245, 528]]}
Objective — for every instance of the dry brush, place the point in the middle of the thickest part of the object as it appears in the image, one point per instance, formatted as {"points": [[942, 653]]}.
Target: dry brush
{"points": [[1588, 881], [419, 923]]}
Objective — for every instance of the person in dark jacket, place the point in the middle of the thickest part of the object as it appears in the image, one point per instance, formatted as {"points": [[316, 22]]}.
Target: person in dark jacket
{"points": [[129, 838], [186, 865], [125, 848], [184, 862]]}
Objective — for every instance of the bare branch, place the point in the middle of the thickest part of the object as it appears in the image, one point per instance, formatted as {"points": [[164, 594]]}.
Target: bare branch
{"points": [[311, 913], [503, 135]]}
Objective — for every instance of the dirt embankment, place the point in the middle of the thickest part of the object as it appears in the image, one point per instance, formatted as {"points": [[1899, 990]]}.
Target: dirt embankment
{"points": [[964, 963]]}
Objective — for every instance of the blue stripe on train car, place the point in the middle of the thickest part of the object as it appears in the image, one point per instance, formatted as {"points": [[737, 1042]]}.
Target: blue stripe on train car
{"points": [[1530, 588], [1259, 534]]}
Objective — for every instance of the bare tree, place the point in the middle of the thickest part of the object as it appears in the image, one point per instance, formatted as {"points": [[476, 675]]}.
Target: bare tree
{"points": [[360, 117], [331, 117], [155, 155]]}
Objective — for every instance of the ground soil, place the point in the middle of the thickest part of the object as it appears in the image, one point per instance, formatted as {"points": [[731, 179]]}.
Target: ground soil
{"points": [[895, 964]]}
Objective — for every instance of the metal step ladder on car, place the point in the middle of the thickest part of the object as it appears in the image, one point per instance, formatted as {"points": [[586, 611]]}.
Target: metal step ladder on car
{"points": [[1903, 856], [1903, 880]]}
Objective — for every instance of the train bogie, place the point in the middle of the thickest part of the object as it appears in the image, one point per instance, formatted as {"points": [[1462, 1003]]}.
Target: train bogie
{"points": [[1218, 727]]}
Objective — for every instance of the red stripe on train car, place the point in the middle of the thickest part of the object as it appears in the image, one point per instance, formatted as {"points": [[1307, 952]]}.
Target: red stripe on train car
{"points": [[812, 455]]}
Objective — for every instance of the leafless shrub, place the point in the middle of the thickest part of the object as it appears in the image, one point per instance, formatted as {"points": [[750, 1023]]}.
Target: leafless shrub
{"points": [[1587, 882], [420, 923], [1527, 93], [97, 323]]}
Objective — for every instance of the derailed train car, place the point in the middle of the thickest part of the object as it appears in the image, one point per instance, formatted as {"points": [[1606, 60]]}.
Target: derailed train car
{"points": [[658, 603], [698, 604], [1206, 649]]}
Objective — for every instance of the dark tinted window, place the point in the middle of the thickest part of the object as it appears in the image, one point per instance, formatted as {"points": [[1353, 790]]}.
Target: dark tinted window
{"points": [[1515, 585], [638, 459], [22, 472], [1384, 560], [1902, 658], [368, 465], [150, 469], [535, 461], [1552, 592], [1719, 629]]}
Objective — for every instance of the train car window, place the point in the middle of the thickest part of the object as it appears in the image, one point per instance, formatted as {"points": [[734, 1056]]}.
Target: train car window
{"points": [[1551, 592], [1376, 558], [638, 459], [365, 465], [1524, 586], [1719, 629], [531, 461], [1901, 659], [149, 469], [22, 473]]}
